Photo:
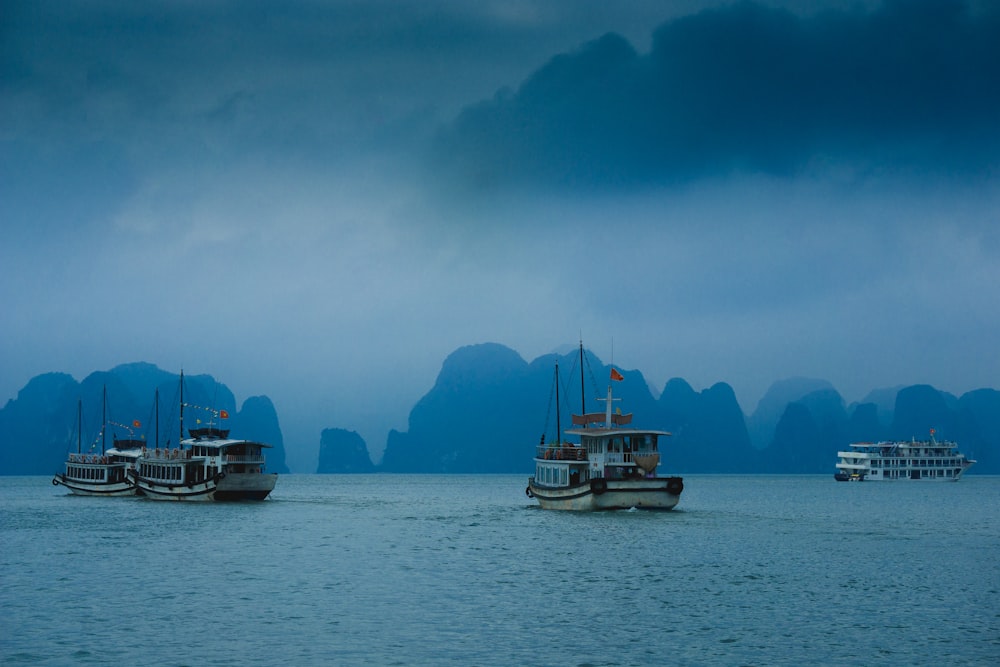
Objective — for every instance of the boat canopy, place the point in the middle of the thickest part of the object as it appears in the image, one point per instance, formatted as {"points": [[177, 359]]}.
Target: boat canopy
{"points": [[209, 432], [599, 417]]}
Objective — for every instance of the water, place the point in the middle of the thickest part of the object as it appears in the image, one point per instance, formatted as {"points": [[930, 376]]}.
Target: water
{"points": [[464, 570]]}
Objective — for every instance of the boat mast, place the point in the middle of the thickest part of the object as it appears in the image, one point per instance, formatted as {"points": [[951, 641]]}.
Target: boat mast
{"points": [[79, 425], [558, 423], [583, 394], [607, 408], [156, 400], [104, 418], [181, 438]]}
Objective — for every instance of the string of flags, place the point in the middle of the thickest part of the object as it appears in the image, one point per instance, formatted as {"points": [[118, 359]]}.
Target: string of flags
{"points": [[221, 414], [100, 434]]}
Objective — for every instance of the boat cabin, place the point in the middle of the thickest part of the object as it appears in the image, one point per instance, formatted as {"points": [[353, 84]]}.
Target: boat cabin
{"points": [[608, 453]]}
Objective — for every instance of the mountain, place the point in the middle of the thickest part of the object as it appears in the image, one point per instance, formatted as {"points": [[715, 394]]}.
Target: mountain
{"points": [[810, 432], [482, 413], [979, 416], [489, 408], [343, 451], [40, 425], [762, 423], [709, 431]]}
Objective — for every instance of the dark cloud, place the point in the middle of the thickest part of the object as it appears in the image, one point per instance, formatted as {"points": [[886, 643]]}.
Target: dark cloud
{"points": [[909, 87], [265, 162]]}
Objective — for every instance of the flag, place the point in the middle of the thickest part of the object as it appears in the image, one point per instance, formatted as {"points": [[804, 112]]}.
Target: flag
{"points": [[223, 414], [615, 375], [136, 424]]}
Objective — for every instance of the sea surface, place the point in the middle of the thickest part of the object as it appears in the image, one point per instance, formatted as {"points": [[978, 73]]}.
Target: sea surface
{"points": [[465, 570]]}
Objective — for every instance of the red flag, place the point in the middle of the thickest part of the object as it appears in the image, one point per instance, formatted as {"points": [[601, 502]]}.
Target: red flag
{"points": [[136, 424], [223, 414], [615, 375]]}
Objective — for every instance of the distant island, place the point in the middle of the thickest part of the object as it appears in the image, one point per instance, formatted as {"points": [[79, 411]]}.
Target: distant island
{"points": [[39, 427], [487, 412], [488, 409]]}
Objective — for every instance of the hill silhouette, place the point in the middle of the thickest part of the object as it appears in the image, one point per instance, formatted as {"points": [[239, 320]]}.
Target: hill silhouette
{"points": [[482, 412], [40, 426], [489, 408]]}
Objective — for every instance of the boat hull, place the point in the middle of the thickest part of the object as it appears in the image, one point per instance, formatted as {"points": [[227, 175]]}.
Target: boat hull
{"points": [[245, 486], [658, 493], [202, 491], [89, 488], [231, 486]]}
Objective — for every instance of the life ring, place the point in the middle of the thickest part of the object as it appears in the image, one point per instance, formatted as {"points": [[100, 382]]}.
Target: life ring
{"points": [[598, 485], [528, 492], [675, 485], [55, 481]]}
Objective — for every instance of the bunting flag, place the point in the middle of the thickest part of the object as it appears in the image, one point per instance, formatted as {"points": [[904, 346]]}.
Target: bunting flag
{"points": [[218, 413], [615, 375]]}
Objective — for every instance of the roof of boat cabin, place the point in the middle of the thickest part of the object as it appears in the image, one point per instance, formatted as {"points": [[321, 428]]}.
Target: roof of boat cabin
{"points": [[115, 451], [605, 431], [221, 443]]}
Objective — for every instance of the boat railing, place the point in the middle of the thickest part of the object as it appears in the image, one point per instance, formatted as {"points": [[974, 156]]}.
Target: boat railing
{"points": [[245, 458], [166, 454], [87, 458], [623, 457], [561, 453]]}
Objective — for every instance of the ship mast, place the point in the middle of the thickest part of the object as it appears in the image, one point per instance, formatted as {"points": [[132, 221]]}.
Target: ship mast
{"points": [[558, 423], [181, 438], [79, 425], [156, 399], [104, 418]]}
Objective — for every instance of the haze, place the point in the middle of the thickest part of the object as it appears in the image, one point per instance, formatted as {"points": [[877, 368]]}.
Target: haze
{"points": [[319, 201]]}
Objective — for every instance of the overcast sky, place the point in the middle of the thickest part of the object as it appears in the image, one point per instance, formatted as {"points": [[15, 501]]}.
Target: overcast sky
{"points": [[319, 201]]}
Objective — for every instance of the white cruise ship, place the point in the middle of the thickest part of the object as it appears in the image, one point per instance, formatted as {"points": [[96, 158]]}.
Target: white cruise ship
{"points": [[917, 460]]}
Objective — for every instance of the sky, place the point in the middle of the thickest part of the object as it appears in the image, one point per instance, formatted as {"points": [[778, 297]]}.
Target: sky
{"points": [[320, 201]]}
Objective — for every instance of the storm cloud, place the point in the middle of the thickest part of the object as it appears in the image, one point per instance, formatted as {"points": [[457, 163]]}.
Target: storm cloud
{"points": [[911, 87], [320, 201]]}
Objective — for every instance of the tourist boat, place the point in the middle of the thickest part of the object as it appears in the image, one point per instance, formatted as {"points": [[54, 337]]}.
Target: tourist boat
{"points": [[206, 466], [919, 460], [104, 474], [613, 466]]}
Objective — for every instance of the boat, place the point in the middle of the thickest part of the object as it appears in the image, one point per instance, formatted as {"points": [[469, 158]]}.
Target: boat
{"points": [[612, 466], [916, 460], [208, 465], [105, 473]]}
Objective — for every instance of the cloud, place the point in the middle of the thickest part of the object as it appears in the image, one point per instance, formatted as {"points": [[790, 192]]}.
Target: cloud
{"points": [[241, 188], [910, 87]]}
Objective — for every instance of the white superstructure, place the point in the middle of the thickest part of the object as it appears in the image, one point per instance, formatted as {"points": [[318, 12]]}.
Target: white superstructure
{"points": [[920, 460]]}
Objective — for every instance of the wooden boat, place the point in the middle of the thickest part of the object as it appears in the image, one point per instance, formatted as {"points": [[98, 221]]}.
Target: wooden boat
{"points": [[612, 465], [208, 465], [105, 473]]}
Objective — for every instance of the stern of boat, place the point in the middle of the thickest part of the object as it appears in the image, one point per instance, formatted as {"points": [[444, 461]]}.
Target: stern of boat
{"points": [[245, 486]]}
